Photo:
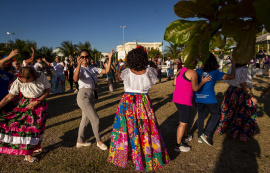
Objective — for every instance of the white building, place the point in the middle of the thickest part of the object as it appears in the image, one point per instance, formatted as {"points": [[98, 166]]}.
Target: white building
{"points": [[58, 52], [132, 45]]}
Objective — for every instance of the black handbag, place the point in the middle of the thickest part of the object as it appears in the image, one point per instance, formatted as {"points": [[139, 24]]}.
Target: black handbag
{"points": [[96, 95]]}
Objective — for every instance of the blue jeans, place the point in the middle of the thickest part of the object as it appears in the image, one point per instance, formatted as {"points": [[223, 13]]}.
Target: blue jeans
{"points": [[215, 115]]}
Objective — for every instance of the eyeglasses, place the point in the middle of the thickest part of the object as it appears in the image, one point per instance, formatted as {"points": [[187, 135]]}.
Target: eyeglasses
{"points": [[85, 56]]}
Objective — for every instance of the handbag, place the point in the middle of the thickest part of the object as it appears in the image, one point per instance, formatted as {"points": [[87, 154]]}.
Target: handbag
{"points": [[95, 91]]}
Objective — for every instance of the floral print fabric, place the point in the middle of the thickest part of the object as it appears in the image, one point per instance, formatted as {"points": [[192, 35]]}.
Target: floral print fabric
{"points": [[136, 135], [21, 130], [58, 84], [238, 115]]}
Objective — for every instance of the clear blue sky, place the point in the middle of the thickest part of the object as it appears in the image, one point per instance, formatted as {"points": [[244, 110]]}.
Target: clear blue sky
{"points": [[50, 22]]}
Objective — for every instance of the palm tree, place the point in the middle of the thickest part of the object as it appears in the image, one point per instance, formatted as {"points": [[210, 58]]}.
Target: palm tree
{"points": [[174, 50], [82, 46], [47, 53], [4, 49], [95, 54], [18, 44], [153, 52], [67, 48]]}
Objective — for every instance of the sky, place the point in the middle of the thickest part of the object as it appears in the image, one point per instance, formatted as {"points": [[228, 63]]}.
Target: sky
{"points": [[50, 22]]}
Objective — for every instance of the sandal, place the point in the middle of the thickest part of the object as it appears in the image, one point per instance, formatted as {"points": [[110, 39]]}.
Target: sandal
{"points": [[43, 150], [32, 160]]}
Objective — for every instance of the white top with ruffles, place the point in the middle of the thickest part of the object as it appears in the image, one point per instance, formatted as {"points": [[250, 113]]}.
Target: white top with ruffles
{"points": [[32, 89], [241, 75], [139, 83]]}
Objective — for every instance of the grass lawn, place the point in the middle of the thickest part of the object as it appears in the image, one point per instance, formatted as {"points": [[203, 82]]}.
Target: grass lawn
{"points": [[226, 155]]}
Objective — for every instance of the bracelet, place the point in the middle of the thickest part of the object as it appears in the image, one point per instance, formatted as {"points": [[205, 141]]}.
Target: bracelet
{"points": [[38, 101]]}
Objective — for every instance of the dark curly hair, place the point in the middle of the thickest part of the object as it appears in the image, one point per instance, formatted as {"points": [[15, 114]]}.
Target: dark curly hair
{"points": [[137, 59], [211, 64]]}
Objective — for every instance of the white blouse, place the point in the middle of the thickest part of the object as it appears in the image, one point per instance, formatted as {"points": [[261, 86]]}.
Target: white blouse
{"points": [[32, 89], [85, 79], [241, 75], [139, 83]]}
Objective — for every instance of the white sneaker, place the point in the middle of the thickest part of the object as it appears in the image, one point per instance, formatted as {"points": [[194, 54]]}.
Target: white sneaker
{"points": [[85, 144], [200, 140], [187, 139], [76, 91], [183, 148], [102, 146]]}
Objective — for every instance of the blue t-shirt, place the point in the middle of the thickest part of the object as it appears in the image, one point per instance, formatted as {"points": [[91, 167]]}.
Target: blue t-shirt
{"points": [[207, 94], [5, 78]]}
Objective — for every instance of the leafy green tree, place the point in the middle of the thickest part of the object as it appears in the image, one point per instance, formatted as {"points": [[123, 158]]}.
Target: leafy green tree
{"points": [[218, 19]]}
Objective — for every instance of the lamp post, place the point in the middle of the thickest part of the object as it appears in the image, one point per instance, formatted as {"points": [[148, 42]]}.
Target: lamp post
{"points": [[11, 33], [123, 37], [136, 42]]}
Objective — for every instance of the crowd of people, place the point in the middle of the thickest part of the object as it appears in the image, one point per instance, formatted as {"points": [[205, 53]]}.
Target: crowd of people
{"points": [[135, 134]]}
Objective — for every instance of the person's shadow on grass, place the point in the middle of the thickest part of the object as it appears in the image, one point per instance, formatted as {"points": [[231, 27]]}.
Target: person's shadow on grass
{"points": [[69, 139], [237, 156]]}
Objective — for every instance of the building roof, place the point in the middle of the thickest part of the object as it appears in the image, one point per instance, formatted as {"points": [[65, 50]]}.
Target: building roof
{"points": [[262, 39]]}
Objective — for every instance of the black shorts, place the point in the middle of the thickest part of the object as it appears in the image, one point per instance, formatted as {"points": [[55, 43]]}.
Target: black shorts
{"points": [[184, 112]]}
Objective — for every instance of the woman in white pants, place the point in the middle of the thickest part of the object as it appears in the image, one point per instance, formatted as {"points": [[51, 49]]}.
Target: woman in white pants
{"points": [[86, 76]]}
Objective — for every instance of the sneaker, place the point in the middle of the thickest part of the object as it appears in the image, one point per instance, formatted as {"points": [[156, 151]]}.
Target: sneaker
{"points": [[183, 147], [102, 146], [84, 144], [207, 140], [200, 140], [76, 91], [187, 139]]}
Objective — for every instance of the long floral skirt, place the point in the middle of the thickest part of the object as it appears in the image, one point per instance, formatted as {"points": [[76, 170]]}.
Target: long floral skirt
{"points": [[238, 115], [58, 84], [21, 130], [136, 135]]}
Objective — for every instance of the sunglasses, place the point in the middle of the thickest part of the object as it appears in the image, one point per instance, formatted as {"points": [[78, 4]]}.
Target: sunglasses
{"points": [[84, 56]]}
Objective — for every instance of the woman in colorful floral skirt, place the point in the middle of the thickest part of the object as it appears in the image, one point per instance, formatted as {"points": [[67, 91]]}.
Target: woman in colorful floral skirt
{"points": [[58, 77], [136, 135], [238, 111], [21, 130]]}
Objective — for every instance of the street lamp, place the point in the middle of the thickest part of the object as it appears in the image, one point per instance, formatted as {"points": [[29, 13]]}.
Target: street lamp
{"points": [[136, 42], [11, 33], [123, 36]]}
